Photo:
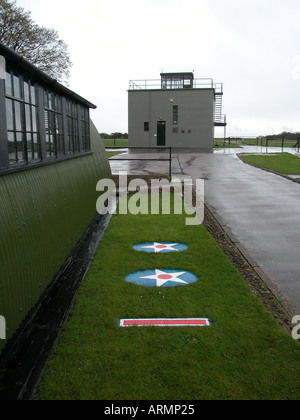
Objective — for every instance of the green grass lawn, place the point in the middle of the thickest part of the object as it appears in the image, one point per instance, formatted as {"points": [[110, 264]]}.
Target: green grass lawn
{"points": [[111, 154], [245, 354], [115, 143], [270, 142], [278, 143], [284, 163], [219, 143], [258, 142]]}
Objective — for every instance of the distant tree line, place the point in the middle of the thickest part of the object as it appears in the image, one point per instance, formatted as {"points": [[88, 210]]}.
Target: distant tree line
{"points": [[115, 135], [285, 134]]}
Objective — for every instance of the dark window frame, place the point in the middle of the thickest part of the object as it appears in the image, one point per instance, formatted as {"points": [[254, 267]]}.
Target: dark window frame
{"points": [[175, 114], [85, 129], [54, 129], [35, 120], [73, 128], [177, 81], [23, 140]]}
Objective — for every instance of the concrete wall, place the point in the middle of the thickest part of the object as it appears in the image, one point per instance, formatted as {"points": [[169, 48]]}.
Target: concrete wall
{"points": [[195, 117]]}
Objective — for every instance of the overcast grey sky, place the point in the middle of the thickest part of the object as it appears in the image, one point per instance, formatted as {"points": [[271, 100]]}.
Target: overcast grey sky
{"points": [[251, 46]]}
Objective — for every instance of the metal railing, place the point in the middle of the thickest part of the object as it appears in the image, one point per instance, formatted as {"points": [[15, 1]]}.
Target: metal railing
{"points": [[204, 83], [220, 119], [169, 159], [263, 141]]}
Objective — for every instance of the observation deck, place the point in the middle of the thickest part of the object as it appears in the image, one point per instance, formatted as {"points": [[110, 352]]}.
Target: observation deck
{"points": [[186, 81]]}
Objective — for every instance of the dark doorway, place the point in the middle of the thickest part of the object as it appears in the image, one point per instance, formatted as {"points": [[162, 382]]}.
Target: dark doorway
{"points": [[161, 133]]}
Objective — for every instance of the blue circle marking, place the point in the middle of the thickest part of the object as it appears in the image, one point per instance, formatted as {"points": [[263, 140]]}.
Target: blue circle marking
{"points": [[160, 247], [161, 278]]}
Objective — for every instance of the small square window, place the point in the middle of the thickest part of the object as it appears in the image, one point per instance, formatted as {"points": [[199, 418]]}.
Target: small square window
{"points": [[146, 126]]}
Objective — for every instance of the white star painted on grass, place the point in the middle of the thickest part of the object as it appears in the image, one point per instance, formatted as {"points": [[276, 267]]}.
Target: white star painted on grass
{"points": [[162, 277], [158, 247]]}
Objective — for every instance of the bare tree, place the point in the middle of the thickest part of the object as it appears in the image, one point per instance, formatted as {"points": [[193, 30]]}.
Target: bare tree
{"points": [[39, 45]]}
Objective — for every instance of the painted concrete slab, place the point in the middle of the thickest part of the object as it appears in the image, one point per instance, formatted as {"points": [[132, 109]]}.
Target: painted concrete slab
{"points": [[161, 278], [165, 322], [160, 247]]}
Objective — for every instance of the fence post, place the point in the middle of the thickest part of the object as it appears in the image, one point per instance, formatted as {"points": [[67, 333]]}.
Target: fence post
{"points": [[282, 143], [170, 163]]}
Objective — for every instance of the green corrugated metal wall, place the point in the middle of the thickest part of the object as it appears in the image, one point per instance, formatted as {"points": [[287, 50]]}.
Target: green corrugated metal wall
{"points": [[43, 213]]}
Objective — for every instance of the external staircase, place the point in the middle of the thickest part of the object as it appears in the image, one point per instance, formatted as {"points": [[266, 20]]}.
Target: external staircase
{"points": [[220, 119]]}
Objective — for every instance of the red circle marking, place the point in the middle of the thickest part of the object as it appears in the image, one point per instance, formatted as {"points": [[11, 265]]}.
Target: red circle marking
{"points": [[161, 246], [165, 276]]}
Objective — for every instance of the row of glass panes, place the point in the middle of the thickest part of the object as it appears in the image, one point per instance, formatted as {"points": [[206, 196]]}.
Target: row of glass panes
{"points": [[176, 82], [21, 119], [22, 122], [52, 101], [54, 134], [15, 88]]}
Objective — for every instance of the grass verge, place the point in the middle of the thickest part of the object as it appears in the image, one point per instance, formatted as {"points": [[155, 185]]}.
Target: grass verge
{"points": [[115, 142], [245, 354], [283, 163], [111, 154]]}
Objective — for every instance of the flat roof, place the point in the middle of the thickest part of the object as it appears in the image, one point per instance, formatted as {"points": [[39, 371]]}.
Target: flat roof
{"points": [[190, 74]]}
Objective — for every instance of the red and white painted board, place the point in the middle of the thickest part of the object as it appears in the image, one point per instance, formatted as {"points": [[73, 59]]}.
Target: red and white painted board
{"points": [[165, 322]]}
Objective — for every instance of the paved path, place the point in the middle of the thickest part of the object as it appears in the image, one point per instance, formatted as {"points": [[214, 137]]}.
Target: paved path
{"points": [[261, 209]]}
